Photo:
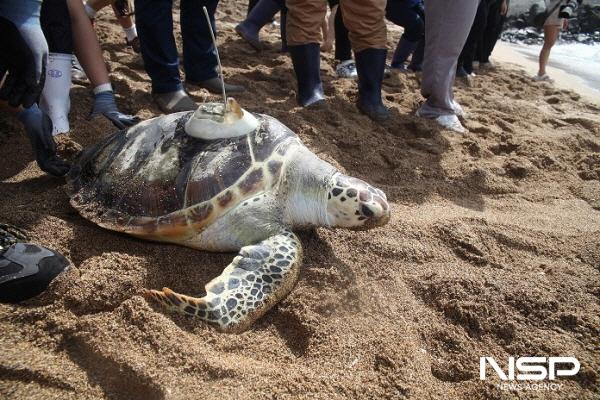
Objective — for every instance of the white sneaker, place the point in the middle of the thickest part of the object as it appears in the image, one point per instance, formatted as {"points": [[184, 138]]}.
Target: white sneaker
{"points": [[346, 69], [449, 121], [542, 78], [458, 110]]}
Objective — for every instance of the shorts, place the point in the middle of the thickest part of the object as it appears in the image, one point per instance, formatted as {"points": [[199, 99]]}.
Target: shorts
{"points": [[553, 19]]}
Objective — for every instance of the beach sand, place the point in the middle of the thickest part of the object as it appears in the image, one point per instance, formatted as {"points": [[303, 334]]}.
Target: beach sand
{"points": [[493, 249], [566, 73]]}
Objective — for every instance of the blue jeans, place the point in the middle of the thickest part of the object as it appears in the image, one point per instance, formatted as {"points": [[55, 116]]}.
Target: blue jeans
{"points": [[154, 20], [408, 16]]}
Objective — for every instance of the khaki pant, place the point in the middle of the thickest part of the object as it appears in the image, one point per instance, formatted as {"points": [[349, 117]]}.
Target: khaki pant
{"points": [[363, 18]]}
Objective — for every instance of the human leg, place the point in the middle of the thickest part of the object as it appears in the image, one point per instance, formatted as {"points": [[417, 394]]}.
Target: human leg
{"points": [[199, 53], [551, 33], [259, 16], [446, 30], [55, 100], [303, 37], [367, 33], [155, 28]]}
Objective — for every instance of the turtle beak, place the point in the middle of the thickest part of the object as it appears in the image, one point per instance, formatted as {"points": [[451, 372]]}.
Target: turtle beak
{"points": [[354, 204], [376, 211]]}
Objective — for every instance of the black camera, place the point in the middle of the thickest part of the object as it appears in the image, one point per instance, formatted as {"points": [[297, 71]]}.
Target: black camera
{"points": [[568, 9]]}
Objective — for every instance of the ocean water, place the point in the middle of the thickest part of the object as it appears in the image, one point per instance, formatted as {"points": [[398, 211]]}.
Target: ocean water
{"points": [[578, 59]]}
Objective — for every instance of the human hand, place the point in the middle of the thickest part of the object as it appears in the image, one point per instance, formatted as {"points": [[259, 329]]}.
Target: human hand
{"points": [[23, 55], [39, 130], [104, 103]]}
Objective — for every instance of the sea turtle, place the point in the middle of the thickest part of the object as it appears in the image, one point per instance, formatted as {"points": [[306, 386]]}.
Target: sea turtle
{"points": [[159, 181]]}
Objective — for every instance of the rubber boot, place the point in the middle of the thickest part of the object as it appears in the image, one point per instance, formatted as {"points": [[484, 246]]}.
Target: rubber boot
{"points": [[370, 66], [306, 59], [54, 100], [261, 14], [403, 50]]}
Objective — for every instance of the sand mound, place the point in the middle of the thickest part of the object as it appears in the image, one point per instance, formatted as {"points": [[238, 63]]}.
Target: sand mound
{"points": [[493, 250]]}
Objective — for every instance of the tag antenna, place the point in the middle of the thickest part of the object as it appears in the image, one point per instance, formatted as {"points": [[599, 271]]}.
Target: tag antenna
{"points": [[212, 35]]}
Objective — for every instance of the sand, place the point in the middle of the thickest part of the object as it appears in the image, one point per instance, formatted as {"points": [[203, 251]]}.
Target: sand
{"points": [[493, 249], [564, 74]]}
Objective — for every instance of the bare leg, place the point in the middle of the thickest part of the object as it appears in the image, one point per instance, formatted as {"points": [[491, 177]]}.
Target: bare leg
{"points": [[126, 21], [86, 44], [550, 35]]}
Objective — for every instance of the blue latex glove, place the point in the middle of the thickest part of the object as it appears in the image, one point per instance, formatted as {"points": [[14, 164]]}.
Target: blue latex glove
{"points": [[39, 129], [23, 55], [104, 103]]}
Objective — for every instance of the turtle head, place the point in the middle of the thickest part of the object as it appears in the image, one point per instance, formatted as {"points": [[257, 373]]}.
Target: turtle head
{"points": [[317, 194], [354, 204]]}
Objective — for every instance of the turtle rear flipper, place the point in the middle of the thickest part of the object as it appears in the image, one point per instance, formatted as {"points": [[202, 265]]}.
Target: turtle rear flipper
{"points": [[259, 277]]}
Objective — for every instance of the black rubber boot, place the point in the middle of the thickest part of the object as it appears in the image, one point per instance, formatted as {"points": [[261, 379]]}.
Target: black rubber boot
{"points": [[307, 60], [370, 66], [260, 15], [403, 50]]}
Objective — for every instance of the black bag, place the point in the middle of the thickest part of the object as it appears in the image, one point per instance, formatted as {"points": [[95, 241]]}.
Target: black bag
{"points": [[540, 19]]}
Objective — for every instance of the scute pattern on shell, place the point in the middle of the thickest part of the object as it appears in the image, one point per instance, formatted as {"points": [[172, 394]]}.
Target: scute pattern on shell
{"points": [[156, 181]]}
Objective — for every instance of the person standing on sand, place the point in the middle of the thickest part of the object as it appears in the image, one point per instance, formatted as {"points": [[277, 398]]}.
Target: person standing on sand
{"points": [[154, 21], [552, 27], [496, 17], [367, 32], [448, 25]]}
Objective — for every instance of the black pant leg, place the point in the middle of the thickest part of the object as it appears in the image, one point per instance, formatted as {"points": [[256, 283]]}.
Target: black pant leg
{"points": [[468, 53], [56, 25], [343, 47]]}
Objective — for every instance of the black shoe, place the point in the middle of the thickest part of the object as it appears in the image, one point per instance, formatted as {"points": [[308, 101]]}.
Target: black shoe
{"points": [[370, 66], [307, 61], [260, 15], [213, 85], [173, 102], [26, 269]]}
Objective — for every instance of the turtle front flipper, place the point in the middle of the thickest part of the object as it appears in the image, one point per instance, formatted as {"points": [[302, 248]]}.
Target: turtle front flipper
{"points": [[259, 277]]}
